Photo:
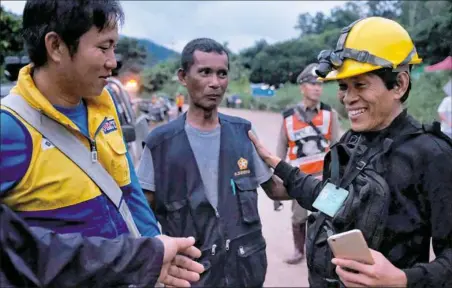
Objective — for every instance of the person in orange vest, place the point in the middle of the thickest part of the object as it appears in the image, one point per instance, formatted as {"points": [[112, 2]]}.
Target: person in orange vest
{"points": [[307, 131], [180, 103]]}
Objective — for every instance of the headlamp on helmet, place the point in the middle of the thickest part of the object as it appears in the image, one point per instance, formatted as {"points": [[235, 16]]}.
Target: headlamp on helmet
{"points": [[328, 60]]}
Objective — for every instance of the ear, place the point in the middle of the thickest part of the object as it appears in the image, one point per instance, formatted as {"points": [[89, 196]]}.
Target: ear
{"points": [[403, 80], [55, 46], [302, 87], [181, 75]]}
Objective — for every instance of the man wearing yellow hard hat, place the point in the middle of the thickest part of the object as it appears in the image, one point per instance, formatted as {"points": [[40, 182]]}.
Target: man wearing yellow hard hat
{"points": [[389, 176]]}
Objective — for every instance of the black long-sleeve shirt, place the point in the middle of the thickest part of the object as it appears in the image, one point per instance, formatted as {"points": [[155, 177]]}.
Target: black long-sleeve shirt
{"points": [[420, 180], [37, 257]]}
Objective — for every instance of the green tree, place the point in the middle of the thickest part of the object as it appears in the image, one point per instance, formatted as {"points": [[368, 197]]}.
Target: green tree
{"points": [[134, 56], [247, 55], [305, 24], [344, 16], [385, 8], [430, 26], [155, 78], [339, 17], [11, 42]]}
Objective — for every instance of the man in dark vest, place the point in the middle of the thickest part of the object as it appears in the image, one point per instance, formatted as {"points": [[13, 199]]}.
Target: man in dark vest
{"points": [[201, 172]]}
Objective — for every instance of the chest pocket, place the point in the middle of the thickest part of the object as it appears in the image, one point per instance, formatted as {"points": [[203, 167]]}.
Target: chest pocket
{"points": [[247, 197], [115, 159]]}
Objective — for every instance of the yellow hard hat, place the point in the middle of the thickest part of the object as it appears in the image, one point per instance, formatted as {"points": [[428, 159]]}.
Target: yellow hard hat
{"points": [[365, 45]]}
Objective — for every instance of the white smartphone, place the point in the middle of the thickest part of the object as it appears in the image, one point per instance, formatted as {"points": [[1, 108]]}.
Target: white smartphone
{"points": [[351, 245]]}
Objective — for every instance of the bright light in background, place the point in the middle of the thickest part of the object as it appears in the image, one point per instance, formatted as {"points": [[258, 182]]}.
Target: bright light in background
{"points": [[131, 85]]}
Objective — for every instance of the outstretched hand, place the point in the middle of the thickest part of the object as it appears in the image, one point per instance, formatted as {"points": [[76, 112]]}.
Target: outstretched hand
{"points": [[178, 268]]}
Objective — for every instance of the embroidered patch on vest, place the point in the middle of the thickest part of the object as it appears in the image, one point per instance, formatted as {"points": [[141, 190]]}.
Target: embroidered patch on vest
{"points": [[243, 163], [243, 166], [109, 126]]}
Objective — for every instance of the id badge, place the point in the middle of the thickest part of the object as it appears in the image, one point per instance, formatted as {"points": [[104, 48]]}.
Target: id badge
{"points": [[330, 199]]}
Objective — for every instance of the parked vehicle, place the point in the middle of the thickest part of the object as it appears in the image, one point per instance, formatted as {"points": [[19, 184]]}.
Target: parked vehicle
{"points": [[158, 109], [134, 129], [5, 88], [12, 66]]}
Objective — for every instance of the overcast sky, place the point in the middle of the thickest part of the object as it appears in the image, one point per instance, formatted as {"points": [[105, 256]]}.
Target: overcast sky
{"points": [[240, 23]]}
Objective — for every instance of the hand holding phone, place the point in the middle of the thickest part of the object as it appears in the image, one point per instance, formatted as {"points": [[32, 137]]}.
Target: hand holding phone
{"points": [[351, 245]]}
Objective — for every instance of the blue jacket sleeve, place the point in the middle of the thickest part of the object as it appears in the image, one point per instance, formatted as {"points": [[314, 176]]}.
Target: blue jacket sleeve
{"points": [[16, 148], [36, 257], [142, 214]]}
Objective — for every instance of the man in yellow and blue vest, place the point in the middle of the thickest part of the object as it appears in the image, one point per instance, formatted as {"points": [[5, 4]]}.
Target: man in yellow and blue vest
{"points": [[72, 54], [81, 183]]}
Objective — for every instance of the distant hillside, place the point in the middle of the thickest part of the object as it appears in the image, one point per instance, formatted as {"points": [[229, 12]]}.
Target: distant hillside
{"points": [[157, 53]]}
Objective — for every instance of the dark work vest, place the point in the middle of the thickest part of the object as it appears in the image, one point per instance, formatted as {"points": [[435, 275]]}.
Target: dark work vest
{"points": [[230, 237]]}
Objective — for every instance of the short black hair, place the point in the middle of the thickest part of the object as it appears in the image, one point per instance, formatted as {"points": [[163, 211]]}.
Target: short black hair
{"points": [[389, 78], [201, 44], [70, 19]]}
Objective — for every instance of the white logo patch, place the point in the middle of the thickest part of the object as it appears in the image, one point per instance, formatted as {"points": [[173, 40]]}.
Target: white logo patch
{"points": [[46, 144]]}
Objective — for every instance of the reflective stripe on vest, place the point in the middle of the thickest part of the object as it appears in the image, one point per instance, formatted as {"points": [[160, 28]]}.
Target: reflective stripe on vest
{"points": [[299, 131]]}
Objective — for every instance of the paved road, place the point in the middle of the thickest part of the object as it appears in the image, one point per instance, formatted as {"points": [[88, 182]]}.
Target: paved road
{"points": [[276, 225]]}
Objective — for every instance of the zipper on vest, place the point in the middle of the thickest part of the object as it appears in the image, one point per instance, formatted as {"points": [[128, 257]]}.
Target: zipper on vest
{"points": [[93, 148], [92, 142], [214, 248], [227, 249]]}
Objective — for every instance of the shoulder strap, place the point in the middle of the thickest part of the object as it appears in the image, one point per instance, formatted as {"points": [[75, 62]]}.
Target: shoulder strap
{"points": [[335, 177], [71, 146], [303, 114], [435, 129], [372, 151]]}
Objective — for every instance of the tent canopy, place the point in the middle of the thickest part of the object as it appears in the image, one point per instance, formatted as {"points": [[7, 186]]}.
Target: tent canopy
{"points": [[445, 65]]}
